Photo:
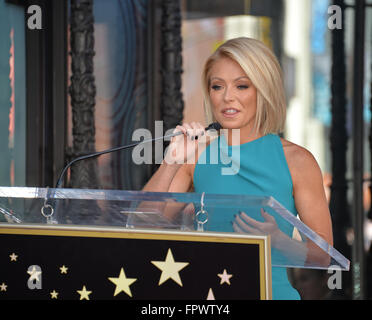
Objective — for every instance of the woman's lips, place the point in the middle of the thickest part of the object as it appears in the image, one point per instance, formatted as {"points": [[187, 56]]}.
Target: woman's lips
{"points": [[230, 112]]}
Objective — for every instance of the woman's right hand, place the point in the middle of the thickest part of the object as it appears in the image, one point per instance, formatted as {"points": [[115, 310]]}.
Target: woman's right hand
{"points": [[182, 148]]}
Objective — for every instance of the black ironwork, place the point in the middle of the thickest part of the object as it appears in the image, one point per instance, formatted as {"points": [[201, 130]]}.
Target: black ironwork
{"points": [[339, 206], [369, 255], [358, 254], [171, 64], [82, 92], [370, 146]]}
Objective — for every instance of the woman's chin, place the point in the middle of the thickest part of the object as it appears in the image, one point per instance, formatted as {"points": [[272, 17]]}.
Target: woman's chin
{"points": [[229, 124]]}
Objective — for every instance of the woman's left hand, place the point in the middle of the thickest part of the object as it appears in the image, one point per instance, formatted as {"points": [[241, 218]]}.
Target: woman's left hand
{"points": [[245, 224]]}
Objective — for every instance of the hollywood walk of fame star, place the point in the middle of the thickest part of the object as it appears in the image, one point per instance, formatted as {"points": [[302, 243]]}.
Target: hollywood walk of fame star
{"points": [[122, 283], [34, 274], [63, 269], [84, 293], [170, 269], [13, 257], [225, 277]]}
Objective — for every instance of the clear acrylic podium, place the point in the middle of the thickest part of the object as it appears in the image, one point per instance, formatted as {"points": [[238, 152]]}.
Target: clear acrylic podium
{"points": [[183, 213]]}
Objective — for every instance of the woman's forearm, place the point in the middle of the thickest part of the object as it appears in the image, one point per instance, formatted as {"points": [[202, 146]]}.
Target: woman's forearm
{"points": [[161, 182], [162, 178]]}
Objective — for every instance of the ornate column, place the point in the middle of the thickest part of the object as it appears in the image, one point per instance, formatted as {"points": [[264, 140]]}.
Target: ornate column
{"points": [[171, 103], [82, 92]]}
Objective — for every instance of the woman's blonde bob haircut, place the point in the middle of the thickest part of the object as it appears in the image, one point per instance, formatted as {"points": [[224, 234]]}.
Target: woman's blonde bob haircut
{"points": [[263, 69]]}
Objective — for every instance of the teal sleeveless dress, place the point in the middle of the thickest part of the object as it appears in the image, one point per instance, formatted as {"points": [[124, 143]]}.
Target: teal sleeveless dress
{"points": [[262, 170]]}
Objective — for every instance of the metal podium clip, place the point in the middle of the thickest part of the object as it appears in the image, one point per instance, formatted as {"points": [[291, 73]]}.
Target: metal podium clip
{"points": [[46, 205], [201, 213]]}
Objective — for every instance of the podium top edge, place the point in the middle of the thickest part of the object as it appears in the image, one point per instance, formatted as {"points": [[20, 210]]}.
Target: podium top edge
{"points": [[123, 195], [117, 232]]}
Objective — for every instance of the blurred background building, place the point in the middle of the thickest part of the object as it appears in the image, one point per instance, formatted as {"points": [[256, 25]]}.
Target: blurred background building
{"points": [[99, 69]]}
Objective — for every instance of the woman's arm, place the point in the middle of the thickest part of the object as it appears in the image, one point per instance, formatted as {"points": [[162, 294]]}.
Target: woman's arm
{"points": [[310, 200], [174, 174], [163, 177], [309, 194], [311, 204]]}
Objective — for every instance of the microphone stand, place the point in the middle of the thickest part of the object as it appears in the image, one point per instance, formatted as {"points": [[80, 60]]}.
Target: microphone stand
{"points": [[48, 209], [214, 125]]}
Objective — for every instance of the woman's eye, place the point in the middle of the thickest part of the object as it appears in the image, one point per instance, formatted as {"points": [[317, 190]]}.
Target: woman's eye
{"points": [[242, 87], [216, 87]]}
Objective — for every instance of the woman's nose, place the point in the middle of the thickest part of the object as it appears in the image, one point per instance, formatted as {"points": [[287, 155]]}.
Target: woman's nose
{"points": [[228, 94]]}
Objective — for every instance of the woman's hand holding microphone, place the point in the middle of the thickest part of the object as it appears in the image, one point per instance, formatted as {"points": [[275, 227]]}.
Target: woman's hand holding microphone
{"points": [[183, 147]]}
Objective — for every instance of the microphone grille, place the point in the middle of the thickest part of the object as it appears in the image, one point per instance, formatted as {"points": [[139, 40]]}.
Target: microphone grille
{"points": [[214, 125]]}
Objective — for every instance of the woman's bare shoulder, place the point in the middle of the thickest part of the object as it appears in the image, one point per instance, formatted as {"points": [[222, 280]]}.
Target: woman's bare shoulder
{"points": [[300, 160]]}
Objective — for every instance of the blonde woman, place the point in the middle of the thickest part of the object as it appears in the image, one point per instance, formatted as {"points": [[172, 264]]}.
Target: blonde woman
{"points": [[243, 91]]}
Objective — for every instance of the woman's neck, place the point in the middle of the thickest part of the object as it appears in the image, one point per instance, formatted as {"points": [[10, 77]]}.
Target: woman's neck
{"points": [[240, 136]]}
